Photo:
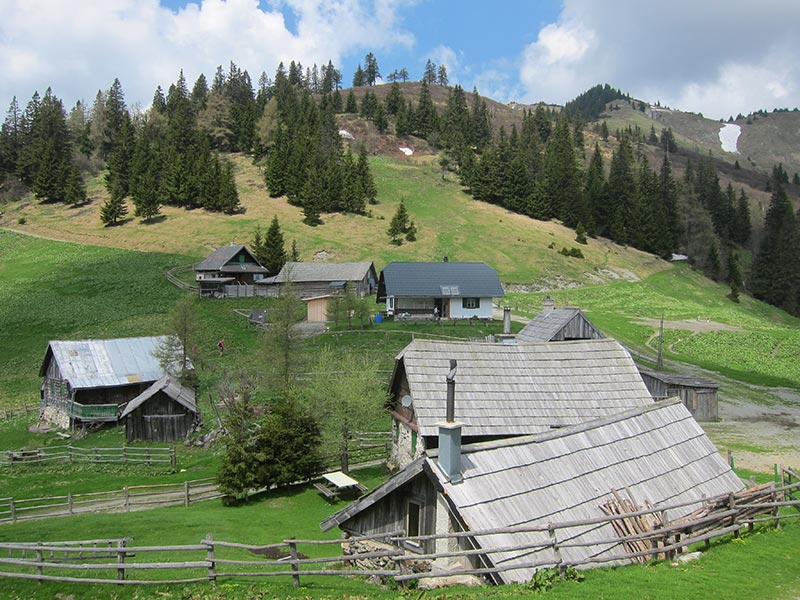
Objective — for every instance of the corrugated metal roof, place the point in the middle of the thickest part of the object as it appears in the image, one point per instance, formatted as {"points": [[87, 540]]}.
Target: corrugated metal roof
{"points": [[223, 255], [521, 389], [548, 323], [171, 387], [106, 363], [302, 272], [658, 452], [439, 279]]}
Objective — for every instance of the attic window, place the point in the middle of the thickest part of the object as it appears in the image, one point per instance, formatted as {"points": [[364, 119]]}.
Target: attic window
{"points": [[449, 290]]}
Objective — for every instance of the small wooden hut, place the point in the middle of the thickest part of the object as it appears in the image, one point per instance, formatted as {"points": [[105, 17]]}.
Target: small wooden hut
{"points": [[698, 394], [559, 324], [164, 412]]}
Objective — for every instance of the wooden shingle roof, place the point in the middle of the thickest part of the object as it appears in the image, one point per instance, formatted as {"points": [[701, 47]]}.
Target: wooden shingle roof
{"points": [[548, 323], [658, 452], [172, 387], [521, 389], [301, 272], [676, 379]]}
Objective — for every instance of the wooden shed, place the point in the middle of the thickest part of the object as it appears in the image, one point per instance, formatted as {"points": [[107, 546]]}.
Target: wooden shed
{"points": [[312, 280], [317, 308], [698, 394], [656, 452], [164, 412], [559, 324]]}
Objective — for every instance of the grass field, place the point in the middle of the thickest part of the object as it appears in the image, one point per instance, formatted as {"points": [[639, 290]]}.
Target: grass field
{"points": [[763, 349]]}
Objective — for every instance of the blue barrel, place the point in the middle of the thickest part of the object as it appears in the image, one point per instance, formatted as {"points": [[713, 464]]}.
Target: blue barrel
{"points": [[379, 318]]}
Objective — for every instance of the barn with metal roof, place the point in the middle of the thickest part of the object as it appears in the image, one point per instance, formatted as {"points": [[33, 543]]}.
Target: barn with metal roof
{"points": [[87, 380]]}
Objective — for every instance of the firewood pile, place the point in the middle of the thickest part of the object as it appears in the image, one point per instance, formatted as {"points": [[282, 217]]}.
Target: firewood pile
{"points": [[632, 526]]}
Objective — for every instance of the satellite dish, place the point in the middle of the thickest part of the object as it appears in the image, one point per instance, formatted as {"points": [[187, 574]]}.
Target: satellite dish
{"points": [[406, 400]]}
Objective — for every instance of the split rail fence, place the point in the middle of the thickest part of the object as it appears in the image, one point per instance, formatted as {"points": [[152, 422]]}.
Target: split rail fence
{"points": [[128, 499], [74, 454], [117, 562]]}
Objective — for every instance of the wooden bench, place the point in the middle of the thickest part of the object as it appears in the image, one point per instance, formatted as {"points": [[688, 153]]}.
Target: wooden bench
{"points": [[327, 492]]}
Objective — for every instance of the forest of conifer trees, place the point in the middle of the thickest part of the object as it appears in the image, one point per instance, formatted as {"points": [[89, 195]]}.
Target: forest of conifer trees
{"points": [[174, 153]]}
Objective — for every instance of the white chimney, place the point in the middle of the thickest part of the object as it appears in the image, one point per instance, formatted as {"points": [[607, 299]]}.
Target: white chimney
{"points": [[549, 305], [450, 433]]}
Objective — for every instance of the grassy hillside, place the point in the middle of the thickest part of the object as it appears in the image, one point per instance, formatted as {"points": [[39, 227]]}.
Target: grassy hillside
{"points": [[749, 341], [450, 224]]}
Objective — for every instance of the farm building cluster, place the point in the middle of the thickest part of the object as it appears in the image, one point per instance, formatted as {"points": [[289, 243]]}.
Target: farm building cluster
{"points": [[541, 426]]}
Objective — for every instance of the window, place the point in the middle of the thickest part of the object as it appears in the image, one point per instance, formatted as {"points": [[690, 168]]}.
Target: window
{"points": [[471, 303], [412, 527]]}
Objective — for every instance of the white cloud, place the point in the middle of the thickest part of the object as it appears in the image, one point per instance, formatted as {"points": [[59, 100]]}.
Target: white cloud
{"points": [[716, 57], [78, 48]]}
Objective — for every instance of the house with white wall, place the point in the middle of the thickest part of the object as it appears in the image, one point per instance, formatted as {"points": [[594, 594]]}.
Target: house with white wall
{"points": [[447, 290]]}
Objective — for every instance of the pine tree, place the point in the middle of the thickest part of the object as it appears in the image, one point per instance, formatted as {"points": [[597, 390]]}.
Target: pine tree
{"points": [[741, 229], [594, 191], [294, 254], [75, 192], [429, 75], [620, 193], [121, 157], [351, 104], [274, 256], [734, 275], [359, 77], [776, 267], [398, 225], [371, 71], [366, 185], [113, 210], [562, 178]]}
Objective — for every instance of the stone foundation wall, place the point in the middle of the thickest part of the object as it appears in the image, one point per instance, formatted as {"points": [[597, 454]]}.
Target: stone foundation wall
{"points": [[382, 563], [56, 416]]}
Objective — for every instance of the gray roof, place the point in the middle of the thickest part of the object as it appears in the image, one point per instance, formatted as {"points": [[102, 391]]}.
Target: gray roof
{"points": [[105, 363], [506, 389], [680, 380], [172, 387], [302, 272], [548, 323], [221, 256], [656, 453], [438, 280]]}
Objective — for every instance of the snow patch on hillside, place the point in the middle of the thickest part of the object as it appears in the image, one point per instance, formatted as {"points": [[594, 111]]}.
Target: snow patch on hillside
{"points": [[729, 136]]}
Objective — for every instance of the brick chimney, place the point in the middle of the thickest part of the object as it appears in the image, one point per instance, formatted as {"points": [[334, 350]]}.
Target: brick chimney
{"points": [[450, 433]]}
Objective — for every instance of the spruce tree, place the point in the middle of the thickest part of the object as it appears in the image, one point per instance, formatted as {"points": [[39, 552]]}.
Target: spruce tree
{"points": [[399, 225], [75, 192], [274, 256], [776, 268], [366, 184], [351, 104], [594, 192], [113, 210]]}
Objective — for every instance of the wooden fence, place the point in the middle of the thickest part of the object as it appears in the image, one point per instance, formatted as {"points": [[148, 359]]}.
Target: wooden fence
{"points": [[74, 454], [173, 278], [111, 561], [127, 499], [10, 413]]}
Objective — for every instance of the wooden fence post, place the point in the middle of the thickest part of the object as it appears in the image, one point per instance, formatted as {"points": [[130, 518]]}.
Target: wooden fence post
{"points": [[120, 560], [551, 530], [124, 454], [148, 457], [39, 559], [127, 495], [295, 568], [12, 509], [69, 450], [69, 503], [172, 460], [186, 493], [776, 510], [212, 570]]}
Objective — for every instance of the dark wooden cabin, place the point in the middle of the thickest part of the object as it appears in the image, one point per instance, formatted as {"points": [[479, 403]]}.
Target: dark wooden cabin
{"points": [[698, 394], [164, 412], [228, 265]]}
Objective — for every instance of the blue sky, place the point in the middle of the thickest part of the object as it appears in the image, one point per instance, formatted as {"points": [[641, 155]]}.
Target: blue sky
{"points": [[718, 57]]}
